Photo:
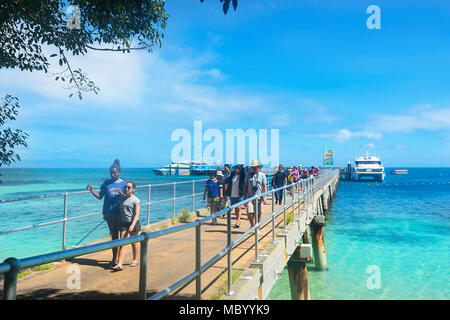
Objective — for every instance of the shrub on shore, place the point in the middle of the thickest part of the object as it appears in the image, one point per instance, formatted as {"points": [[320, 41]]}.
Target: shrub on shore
{"points": [[184, 216]]}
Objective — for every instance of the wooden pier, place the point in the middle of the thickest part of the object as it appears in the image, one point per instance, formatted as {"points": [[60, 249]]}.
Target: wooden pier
{"points": [[173, 257], [302, 241]]}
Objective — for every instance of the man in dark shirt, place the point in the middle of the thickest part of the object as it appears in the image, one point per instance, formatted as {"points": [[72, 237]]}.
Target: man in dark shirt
{"points": [[279, 179]]}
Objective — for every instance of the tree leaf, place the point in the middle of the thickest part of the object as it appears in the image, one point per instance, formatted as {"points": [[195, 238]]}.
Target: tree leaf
{"points": [[226, 6]]}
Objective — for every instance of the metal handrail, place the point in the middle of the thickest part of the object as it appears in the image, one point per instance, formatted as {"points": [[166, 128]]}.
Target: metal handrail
{"points": [[12, 266], [65, 195], [60, 195]]}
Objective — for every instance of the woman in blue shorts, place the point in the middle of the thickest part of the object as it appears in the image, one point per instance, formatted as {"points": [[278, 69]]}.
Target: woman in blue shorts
{"points": [[111, 204]]}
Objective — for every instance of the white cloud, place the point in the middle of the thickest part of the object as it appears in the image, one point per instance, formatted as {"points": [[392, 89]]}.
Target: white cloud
{"points": [[343, 135], [424, 117], [420, 118], [119, 76], [186, 87]]}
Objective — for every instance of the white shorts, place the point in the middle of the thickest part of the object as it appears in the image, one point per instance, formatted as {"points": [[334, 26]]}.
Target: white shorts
{"points": [[250, 207]]}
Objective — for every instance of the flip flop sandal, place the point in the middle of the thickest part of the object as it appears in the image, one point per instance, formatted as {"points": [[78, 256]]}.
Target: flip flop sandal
{"points": [[117, 269], [134, 264]]}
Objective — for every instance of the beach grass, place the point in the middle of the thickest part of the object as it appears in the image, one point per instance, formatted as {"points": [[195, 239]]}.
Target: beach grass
{"points": [[289, 217], [28, 271], [235, 274]]}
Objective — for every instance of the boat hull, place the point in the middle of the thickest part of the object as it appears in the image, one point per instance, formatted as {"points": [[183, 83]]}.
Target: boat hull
{"points": [[366, 176], [161, 172], [172, 172], [197, 172]]}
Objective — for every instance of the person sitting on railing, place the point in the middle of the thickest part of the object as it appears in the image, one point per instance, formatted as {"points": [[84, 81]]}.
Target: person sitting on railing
{"points": [[130, 207], [255, 184], [111, 207], [235, 190], [213, 190], [279, 179], [316, 171]]}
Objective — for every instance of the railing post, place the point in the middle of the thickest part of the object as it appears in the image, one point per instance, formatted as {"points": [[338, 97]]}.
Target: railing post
{"points": [[149, 199], [256, 213], [143, 268], [198, 262], [174, 194], [311, 190], [229, 258], [284, 204], [10, 281], [193, 196], [292, 199], [64, 223], [273, 216]]}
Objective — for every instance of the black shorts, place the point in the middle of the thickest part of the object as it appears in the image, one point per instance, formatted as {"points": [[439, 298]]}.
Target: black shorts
{"points": [[124, 226], [113, 224]]}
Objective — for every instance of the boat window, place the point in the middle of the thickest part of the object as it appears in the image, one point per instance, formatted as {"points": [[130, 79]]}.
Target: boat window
{"points": [[368, 162]]}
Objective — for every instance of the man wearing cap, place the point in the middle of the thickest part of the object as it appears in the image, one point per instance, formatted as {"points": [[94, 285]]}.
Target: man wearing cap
{"points": [[255, 184]]}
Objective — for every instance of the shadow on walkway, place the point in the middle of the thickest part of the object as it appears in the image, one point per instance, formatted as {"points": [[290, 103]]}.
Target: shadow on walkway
{"points": [[91, 262], [55, 294]]}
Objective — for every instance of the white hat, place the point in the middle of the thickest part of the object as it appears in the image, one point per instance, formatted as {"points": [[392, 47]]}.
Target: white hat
{"points": [[219, 173], [255, 163]]}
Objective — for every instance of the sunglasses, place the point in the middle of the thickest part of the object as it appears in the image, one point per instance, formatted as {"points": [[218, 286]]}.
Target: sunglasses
{"points": [[128, 187]]}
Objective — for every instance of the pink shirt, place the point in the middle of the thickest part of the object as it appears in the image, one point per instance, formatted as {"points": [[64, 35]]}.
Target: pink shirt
{"points": [[295, 174]]}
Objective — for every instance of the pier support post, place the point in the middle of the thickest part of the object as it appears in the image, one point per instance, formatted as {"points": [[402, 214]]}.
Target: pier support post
{"points": [[320, 206], [306, 236], [330, 195], [324, 201], [298, 273], [320, 257]]}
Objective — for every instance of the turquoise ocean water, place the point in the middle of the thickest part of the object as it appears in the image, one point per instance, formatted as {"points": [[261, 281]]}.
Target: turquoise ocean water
{"points": [[22, 183], [401, 226]]}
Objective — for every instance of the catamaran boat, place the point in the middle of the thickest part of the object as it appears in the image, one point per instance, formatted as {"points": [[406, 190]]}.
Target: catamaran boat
{"points": [[399, 171], [182, 168], [368, 167]]}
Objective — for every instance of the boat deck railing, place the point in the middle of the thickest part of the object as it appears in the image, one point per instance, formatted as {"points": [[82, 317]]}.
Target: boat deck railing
{"points": [[305, 193]]}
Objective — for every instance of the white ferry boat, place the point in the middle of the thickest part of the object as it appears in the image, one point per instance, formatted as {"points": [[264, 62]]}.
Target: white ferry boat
{"points": [[368, 167], [399, 171], [182, 168]]}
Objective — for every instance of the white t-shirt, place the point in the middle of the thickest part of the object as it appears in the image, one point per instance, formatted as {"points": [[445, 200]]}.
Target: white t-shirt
{"points": [[235, 186]]}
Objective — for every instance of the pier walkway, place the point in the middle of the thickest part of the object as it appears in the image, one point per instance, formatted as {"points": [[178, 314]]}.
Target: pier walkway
{"points": [[187, 261]]}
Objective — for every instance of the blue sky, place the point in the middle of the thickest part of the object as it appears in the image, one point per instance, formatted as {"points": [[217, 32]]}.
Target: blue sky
{"points": [[311, 69]]}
